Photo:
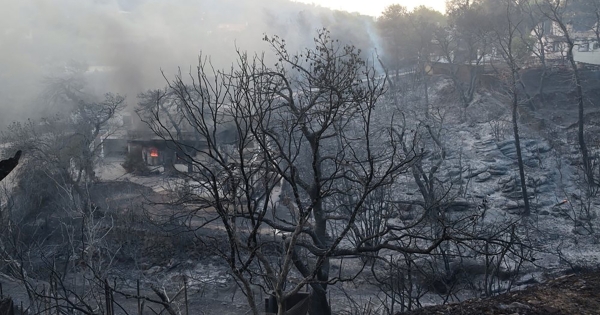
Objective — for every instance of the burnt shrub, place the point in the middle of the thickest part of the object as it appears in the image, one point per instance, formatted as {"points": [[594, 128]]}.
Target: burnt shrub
{"points": [[134, 163]]}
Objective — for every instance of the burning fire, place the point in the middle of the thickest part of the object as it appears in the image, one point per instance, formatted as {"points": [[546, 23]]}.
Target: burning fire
{"points": [[154, 152]]}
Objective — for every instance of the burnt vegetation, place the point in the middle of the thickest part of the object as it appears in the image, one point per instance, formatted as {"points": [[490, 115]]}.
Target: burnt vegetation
{"points": [[386, 164]]}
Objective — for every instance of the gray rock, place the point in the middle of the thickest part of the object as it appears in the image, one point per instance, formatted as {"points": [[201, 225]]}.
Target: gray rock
{"points": [[580, 230], [574, 162], [494, 154], [514, 211], [484, 148], [510, 154], [508, 148], [489, 158], [544, 202], [544, 212], [498, 170], [486, 142], [506, 180], [516, 195], [531, 163], [406, 216], [530, 142], [541, 148], [553, 236], [587, 216], [505, 143], [541, 180], [489, 191], [557, 208], [475, 172], [453, 173], [507, 188], [459, 205], [153, 270], [483, 177], [458, 181], [512, 205]]}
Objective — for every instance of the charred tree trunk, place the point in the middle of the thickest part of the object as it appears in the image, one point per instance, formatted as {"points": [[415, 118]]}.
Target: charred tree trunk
{"points": [[540, 91], [555, 14], [425, 79], [506, 34], [319, 305], [515, 104], [587, 168]]}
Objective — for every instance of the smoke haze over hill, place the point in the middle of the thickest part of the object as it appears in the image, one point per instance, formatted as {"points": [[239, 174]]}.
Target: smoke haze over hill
{"points": [[126, 43]]}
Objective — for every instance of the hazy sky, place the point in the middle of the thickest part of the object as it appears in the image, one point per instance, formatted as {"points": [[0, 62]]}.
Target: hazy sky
{"points": [[128, 42], [375, 7]]}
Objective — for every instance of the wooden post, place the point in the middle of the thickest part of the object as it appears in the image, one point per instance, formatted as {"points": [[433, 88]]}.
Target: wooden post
{"points": [[46, 303], [185, 292], [83, 292], [138, 298], [107, 297], [54, 292], [112, 297], [56, 300]]}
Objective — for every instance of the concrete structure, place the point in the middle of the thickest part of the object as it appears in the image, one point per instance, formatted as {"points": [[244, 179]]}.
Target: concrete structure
{"points": [[587, 48], [588, 57]]}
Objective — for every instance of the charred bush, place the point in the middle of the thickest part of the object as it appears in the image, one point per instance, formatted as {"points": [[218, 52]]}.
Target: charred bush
{"points": [[134, 163]]}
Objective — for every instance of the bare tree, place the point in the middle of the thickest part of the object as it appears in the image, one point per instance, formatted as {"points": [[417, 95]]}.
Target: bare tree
{"points": [[292, 148], [538, 46], [410, 45], [557, 11], [394, 27], [87, 118], [464, 44], [165, 102], [508, 32], [51, 202]]}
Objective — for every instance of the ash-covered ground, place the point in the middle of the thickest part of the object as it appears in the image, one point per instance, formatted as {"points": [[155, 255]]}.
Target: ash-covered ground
{"points": [[480, 160]]}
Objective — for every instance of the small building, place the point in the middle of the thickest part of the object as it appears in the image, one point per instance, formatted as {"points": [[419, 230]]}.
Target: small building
{"points": [[586, 50], [157, 151]]}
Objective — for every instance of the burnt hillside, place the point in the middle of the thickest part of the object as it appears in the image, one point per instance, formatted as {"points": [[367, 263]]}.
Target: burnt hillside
{"points": [[569, 294]]}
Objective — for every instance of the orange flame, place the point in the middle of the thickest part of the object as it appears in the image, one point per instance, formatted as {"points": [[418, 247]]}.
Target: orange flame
{"points": [[154, 152]]}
